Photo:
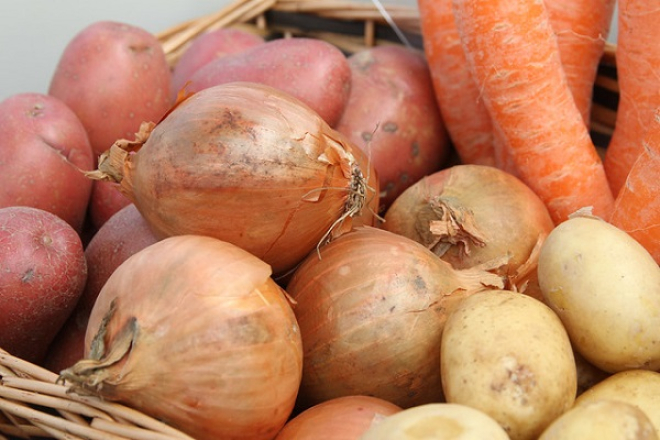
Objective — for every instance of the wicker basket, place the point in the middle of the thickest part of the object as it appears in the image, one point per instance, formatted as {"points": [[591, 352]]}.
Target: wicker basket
{"points": [[32, 402]]}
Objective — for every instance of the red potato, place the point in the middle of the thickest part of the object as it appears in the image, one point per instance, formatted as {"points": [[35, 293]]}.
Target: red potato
{"points": [[208, 47], [43, 275], [114, 76], [105, 201], [393, 116], [314, 71], [121, 236], [44, 149]]}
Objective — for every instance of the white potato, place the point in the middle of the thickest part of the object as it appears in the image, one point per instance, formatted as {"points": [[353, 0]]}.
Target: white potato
{"points": [[508, 355], [602, 419], [636, 387], [436, 421], [605, 287]]}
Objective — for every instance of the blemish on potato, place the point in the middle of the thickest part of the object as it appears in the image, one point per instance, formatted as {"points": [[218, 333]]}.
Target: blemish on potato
{"points": [[390, 127], [28, 276], [415, 149], [37, 110]]}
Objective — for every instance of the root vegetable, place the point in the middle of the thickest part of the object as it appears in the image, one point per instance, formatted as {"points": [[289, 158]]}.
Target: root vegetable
{"points": [[43, 275], [193, 331], [244, 163], [371, 308]]}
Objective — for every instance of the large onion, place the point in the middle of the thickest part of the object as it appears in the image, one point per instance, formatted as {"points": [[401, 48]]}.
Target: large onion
{"points": [[371, 308], [193, 331], [472, 214], [244, 163]]}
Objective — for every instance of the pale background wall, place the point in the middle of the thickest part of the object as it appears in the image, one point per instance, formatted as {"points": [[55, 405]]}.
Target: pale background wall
{"points": [[33, 33]]}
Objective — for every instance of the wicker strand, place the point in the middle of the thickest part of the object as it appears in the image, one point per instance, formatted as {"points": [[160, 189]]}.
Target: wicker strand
{"points": [[26, 389]]}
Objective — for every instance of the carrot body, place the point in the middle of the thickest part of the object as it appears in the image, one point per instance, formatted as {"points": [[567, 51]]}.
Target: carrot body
{"points": [[637, 206], [582, 28], [638, 61], [513, 55], [463, 112]]}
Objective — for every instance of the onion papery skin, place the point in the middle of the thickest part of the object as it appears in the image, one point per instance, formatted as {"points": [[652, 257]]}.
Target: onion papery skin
{"points": [[213, 345], [247, 164], [343, 418], [489, 215], [371, 308]]}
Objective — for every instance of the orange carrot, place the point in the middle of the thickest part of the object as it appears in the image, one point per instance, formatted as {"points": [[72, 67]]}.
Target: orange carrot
{"points": [[637, 206], [514, 57], [582, 28], [463, 112], [638, 61]]}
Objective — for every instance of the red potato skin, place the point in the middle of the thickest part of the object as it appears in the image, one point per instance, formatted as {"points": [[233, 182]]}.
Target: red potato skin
{"points": [[124, 234], [393, 116], [314, 71], [43, 275], [43, 150], [105, 201], [113, 76], [208, 47]]}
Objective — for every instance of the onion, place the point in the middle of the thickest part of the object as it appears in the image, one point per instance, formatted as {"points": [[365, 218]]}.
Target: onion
{"points": [[193, 331], [371, 308], [343, 418], [469, 215], [244, 163]]}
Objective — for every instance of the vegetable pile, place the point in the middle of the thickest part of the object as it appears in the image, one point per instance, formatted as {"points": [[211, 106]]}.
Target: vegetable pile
{"points": [[272, 239]]}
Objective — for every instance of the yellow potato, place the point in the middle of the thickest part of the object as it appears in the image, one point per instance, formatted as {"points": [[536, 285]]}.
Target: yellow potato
{"points": [[436, 421], [508, 355], [603, 420], [605, 287], [637, 387]]}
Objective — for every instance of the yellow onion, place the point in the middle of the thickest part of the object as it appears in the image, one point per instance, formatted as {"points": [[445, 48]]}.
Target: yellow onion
{"points": [[343, 418], [244, 163], [371, 308], [194, 331], [469, 215]]}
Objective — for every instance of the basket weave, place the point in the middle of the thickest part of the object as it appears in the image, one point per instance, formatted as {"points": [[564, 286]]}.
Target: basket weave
{"points": [[32, 403]]}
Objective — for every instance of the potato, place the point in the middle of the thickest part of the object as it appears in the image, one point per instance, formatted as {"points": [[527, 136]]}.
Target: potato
{"points": [[44, 149], [42, 275], [207, 47], [508, 355], [121, 236], [104, 202], [314, 71], [603, 420], [393, 116], [605, 287], [636, 387], [113, 76], [442, 421]]}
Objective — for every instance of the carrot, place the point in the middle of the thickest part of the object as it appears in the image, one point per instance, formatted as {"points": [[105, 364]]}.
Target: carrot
{"points": [[513, 54], [582, 28], [465, 117], [638, 61], [637, 206]]}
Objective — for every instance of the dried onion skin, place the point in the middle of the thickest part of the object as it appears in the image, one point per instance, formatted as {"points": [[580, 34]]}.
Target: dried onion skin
{"points": [[194, 331], [471, 214]]}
